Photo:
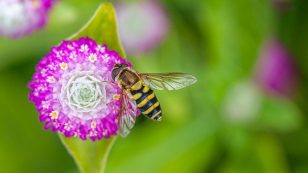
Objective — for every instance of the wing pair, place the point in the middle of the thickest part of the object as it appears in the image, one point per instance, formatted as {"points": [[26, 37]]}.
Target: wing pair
{"points": [[160, 81]]}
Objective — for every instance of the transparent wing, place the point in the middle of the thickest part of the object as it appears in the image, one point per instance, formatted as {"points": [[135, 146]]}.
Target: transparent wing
{"points": [[168, 81], [127, 116]]}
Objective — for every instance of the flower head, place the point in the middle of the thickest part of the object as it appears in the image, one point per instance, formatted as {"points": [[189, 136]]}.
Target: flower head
{"points": [[22, 17], [73, 90], [276, 70], [142, 25]]}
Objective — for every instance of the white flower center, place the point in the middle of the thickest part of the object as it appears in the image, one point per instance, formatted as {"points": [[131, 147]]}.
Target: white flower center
{"points": [[84, 93]]}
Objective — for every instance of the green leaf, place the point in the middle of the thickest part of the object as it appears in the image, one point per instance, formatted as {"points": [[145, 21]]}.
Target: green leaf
{"points": [[280, 114], [103, 28], [91, 156]]}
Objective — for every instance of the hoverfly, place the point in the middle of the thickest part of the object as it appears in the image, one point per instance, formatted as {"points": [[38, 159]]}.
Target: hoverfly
{"points": [[137, 91]]}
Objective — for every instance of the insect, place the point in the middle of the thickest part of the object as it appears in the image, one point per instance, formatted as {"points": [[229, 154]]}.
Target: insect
{"points": [[137, 91]]}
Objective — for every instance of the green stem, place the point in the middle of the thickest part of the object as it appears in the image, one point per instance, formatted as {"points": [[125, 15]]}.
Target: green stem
{"points": [[89, 156]]}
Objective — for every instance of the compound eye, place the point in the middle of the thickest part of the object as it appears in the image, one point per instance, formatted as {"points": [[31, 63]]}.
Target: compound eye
{"points": [[120, 65], [117, 65]]}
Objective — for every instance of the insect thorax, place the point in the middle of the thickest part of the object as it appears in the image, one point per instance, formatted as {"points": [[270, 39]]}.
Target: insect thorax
{"points": [[129, 79]]}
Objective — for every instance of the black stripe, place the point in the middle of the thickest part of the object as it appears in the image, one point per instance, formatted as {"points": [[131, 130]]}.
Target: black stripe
{"points": [[153, 112], [148, 104], [158, 117], [133, 92], [144, 95]]}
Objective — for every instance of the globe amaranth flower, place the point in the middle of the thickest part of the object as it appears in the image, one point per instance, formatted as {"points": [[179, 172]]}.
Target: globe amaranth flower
{"points": [[276, 70], [73, 90], [142, 25], [22, 17]]}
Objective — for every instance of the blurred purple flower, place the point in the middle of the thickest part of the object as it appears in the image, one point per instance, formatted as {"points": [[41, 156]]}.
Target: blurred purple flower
{"points": [[281, 5], [73, 92], [142, 25], [21, 17], [276, 71]]}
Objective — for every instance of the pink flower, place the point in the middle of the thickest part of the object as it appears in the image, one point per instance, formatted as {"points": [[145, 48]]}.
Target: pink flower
{"points": [[276, 71], [142, 25], [73, 90], [22, 17]]}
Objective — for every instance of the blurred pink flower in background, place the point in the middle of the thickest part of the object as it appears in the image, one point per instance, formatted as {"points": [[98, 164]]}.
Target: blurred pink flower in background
{"points": [[276, 71], [21, 17], [281, 5], [142, 25]]}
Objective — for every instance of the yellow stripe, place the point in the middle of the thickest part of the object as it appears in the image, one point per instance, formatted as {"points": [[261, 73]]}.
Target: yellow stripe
{"points": [[144, 101], [146, 89], [137, 86], [137, 96], [156, 115], [151, 108]]}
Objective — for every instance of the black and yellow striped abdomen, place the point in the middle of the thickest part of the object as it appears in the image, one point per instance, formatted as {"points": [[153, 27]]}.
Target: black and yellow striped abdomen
{"points": [[146, 101]]}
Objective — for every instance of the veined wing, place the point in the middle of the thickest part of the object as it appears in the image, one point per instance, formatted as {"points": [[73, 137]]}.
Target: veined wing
{"points": [[168, 81], [127, 116]]}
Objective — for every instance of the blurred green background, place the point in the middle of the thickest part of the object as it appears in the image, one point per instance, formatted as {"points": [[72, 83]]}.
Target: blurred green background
{"points": [[225, 123]]}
